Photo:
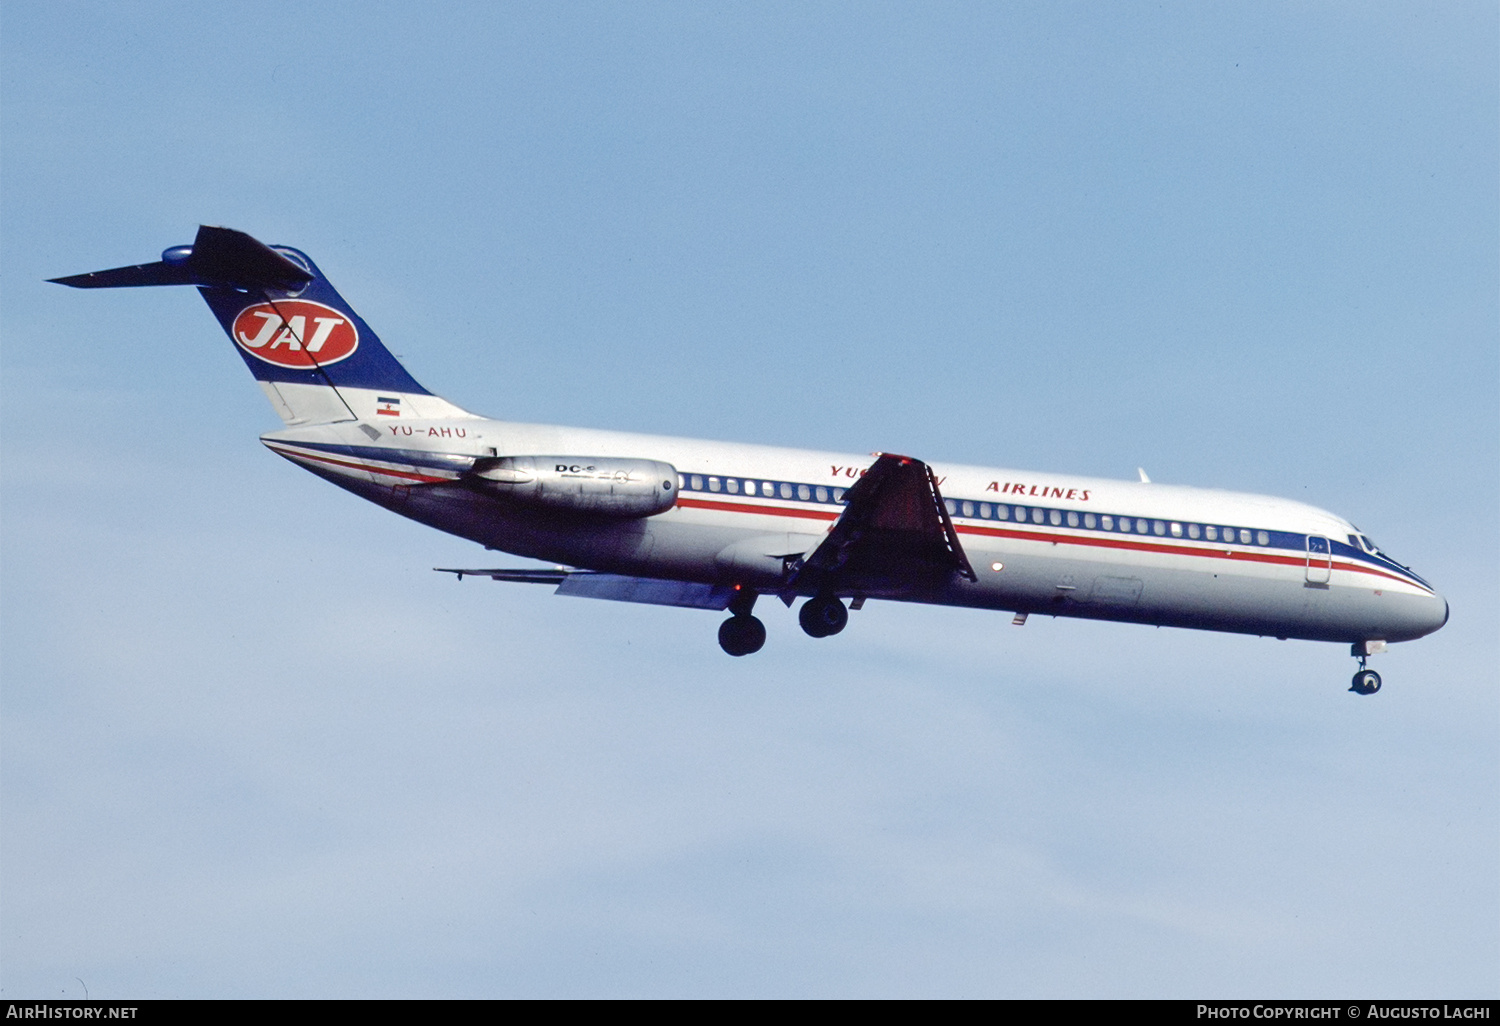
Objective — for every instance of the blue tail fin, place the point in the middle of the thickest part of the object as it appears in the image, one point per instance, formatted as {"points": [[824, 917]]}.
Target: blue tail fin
{"points": [[316, 359]]}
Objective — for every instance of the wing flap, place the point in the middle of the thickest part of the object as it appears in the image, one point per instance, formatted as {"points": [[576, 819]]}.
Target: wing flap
{"points": [[653, 591], [650, 590]]}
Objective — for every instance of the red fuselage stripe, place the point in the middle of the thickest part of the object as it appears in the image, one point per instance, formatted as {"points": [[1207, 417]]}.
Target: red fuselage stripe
{"points": [[744, 507], [298, 454]]}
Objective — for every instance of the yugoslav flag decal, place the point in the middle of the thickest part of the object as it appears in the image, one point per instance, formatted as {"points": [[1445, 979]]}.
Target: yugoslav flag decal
{"points": [[295, 333]]}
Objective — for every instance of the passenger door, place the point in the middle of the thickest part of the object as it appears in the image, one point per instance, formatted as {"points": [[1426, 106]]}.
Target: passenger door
{"points": [[1319, 559]]}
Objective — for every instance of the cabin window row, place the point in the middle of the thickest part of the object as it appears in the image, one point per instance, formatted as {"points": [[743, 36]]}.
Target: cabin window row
{"points": [[753, 486], [1106, 522]]}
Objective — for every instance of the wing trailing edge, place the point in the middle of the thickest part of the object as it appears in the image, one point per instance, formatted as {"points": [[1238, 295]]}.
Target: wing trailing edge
{"points": [[613, 587]]}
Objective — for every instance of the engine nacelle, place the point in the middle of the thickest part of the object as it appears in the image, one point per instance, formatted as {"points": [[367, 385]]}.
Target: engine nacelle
{"points": [[582, 484]]}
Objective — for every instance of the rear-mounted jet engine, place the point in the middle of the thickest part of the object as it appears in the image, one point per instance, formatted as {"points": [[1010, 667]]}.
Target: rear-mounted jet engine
{"points": [[581, 484]]}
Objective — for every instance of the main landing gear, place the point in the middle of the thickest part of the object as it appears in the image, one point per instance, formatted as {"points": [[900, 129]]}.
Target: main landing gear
{"points": [[823, 616], [742, 633], [1366, 681]]}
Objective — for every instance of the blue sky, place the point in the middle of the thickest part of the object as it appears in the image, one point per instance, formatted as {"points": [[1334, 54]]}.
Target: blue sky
{"points": [[252, 746]]}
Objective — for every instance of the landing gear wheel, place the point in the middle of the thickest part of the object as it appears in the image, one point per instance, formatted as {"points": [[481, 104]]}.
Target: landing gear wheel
{"points": [[742, 635], [823, 616], [1366, 682]]}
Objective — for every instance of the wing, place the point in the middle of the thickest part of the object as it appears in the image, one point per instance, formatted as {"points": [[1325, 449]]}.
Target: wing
{"points": [[894, 535], [615, 587]]}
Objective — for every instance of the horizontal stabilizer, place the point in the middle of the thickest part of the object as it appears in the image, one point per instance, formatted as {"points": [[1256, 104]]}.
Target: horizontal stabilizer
{"points": [[220, 257], [653, 591]]}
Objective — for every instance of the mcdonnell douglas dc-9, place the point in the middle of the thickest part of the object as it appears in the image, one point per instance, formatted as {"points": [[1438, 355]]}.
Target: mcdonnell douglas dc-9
{"points": [[710, 525]]}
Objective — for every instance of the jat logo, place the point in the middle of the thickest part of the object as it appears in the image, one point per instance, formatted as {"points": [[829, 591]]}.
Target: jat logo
{"points": [[295, 333]]}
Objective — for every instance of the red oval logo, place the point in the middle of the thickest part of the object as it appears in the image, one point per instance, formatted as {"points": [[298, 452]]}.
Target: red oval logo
{"points": [[295, 333]]}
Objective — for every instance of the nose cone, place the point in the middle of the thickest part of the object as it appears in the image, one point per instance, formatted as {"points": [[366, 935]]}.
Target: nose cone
{"points": [[1424, 616]]}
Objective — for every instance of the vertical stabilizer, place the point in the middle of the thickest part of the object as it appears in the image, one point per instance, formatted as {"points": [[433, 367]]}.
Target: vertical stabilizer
{"points": [[315, 358]]}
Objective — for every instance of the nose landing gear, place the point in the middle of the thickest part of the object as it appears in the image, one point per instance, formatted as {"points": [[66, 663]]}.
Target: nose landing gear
{"points": [[742, 634], [1366, 681]]}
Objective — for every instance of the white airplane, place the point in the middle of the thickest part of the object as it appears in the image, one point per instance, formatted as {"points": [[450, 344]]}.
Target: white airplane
{"points": [[712, 525]]}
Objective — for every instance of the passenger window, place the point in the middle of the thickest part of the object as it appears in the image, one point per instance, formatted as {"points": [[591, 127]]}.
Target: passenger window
{"points": [[1072, 519], [804, 493], [1107, 522], [1176, 529], [1244, 536], [1055, 518], [968, 509], [1192, 530], [1002, 512], [1036, 515], [822, 493], [984, 510], [838, 495], [1158, 528], [733, 485], [768, 489], [1141, 527], [1263, 538], [1088, 521], [952, 507], [697, 483], [1211, 533], [713, 484], [681, 482], [786, 491]]}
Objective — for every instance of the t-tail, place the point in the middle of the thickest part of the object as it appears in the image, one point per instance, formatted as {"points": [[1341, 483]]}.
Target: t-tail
{"points": [[316, 359]]}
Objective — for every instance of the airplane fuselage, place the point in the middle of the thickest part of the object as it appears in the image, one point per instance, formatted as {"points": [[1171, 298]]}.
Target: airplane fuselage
{"points": [[1039, 543]]}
